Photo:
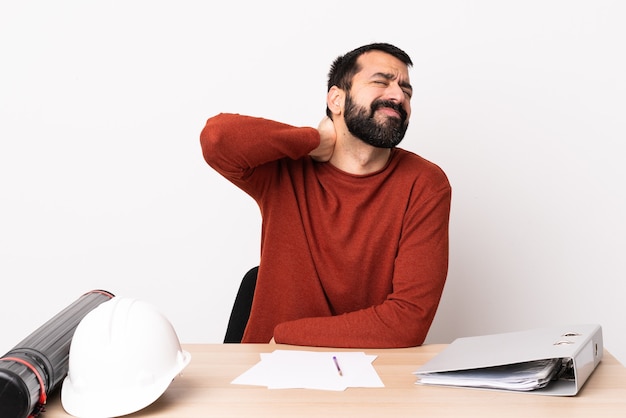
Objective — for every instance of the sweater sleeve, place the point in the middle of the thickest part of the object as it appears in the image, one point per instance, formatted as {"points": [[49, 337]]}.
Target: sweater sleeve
{"points": [[404, 317], [234, 145]]}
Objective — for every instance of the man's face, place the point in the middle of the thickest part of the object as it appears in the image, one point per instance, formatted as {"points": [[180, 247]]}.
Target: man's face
{"points": [[377, 109]]}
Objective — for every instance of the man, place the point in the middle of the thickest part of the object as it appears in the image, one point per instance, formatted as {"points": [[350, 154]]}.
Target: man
{"points": [[354, 246]]}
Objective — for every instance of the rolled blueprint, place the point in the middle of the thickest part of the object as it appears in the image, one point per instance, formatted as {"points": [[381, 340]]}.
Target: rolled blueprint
{"points": [[37, 365]]}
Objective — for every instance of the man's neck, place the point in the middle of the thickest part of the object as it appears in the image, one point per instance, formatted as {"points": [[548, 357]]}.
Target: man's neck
{"points": [[356, 157]]}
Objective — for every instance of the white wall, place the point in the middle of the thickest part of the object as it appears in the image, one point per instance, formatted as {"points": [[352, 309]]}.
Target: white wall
{"points": [[102, 183]]}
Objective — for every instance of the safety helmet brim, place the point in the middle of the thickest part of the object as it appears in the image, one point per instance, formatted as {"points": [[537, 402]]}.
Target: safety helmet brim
{"points": [[116, 403]]}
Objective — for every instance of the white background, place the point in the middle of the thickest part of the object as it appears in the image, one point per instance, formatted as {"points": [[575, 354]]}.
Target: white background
{"points": [[102, 182]]}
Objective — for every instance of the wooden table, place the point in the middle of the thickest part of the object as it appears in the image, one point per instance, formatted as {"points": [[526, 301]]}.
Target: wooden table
{"points": [[204, 390]]}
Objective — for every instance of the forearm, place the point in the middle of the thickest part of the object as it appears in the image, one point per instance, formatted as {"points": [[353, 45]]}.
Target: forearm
{"points": [[389, 325], [234, 144]]}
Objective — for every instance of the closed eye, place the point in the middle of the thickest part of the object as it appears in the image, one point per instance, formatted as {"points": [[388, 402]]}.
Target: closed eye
{"points": [[383, 79]]}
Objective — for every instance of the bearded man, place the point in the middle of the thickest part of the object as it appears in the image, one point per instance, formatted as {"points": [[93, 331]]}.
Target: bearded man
{"points": [[354, 245]]}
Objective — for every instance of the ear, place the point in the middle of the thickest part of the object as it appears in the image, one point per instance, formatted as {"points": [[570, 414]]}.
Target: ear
{"points": [[335, 100]]}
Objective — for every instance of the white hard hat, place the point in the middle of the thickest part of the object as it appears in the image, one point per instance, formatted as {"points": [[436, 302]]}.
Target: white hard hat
{"points": [[123, 356]]}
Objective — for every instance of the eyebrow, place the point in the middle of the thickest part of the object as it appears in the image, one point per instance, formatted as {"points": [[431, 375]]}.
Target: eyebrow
{"points": [[389, 76]]}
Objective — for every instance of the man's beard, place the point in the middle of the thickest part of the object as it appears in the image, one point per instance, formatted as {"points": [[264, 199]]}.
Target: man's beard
{"points": [[362, 124]]}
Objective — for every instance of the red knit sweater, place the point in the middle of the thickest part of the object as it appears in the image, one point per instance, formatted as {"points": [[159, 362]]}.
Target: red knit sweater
{"points": [[346, 260]]}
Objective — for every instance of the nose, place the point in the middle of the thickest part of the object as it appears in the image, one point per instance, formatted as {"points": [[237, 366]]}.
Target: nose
{"points": [[395, 93]]}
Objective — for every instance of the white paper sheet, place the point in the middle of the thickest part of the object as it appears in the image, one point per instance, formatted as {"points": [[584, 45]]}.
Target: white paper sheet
{"points": [[286, 369]]}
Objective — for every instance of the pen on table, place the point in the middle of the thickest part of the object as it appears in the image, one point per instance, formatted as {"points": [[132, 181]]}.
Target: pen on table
{"points": [[337, 366]]}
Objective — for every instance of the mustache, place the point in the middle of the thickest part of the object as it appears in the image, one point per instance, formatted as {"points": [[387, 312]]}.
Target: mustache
{"points": [[377, 104]]}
